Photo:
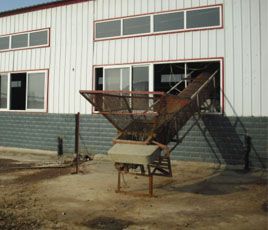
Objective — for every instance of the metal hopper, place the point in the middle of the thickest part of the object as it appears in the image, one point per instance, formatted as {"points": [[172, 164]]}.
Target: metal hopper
{"points": [[147, 122]]}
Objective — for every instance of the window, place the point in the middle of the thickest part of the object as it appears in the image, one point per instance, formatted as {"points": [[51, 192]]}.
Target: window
{"points": [[167, 75], [108, 29], [36, 91], [140, 78], [23, 91], [171, 21], [4, 43], [3, 91], [116, 79], [159, 22], [38, 38], [203, 18], [18, 41], [136, 25], [25, 40], [164, 77]]}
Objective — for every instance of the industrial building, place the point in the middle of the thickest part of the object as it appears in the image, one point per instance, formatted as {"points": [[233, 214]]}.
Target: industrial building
{"points": [[49, 52]]}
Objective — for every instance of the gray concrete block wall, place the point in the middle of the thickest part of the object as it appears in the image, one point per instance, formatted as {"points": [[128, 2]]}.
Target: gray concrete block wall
{"points": [[213, 138], [36, 131]]}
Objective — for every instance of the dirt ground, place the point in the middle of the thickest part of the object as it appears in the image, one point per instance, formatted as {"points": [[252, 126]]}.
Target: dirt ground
{"points": [[198, 196]]}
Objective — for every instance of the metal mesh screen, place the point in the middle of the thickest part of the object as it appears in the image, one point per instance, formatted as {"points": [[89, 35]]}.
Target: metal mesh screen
{"points": [[142, 115]]}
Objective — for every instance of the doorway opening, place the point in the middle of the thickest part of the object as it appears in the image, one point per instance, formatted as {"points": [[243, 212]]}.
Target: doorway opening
{"points": [[18, 91]]}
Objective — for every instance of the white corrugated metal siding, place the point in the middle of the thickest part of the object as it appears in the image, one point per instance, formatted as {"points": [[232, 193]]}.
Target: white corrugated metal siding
{"points": [[242, 43], [69, 57]]}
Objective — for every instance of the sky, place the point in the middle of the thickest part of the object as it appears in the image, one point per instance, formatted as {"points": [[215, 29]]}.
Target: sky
{"points": [[13, 4]]}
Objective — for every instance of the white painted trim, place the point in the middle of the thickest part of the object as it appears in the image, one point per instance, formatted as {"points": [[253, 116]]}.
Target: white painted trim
{"points": [[28, 40]]}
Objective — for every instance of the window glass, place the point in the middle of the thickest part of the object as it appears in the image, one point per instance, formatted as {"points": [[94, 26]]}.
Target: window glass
{"points": [[38, 38], [171, 21], [117, 79], [171, 77], [4, 43], [203, 18], [19, 41], [136, 25], [108, 29], [3, 91], [125, 79], [140, 78], [36, 91]]}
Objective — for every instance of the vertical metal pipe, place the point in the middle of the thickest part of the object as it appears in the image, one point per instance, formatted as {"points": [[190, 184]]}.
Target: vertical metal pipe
{"points": [[151, 185], [60, 146], [77, 133], [119, 181], [247, 148]]}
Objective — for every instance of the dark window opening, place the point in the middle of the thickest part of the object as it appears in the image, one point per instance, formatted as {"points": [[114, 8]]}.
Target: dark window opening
{"points": [[167, 76], [18, 91], [99, 78], [194, 69]]}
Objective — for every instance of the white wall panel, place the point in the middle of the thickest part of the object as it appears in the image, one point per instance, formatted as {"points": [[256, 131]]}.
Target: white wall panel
{"points": [[242, 43], [246, 59], [264, 57], [69, 57], [180, 46], [255, 58], [238, 77]]}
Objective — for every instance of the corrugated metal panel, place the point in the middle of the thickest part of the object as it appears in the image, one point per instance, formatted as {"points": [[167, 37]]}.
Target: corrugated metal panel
{"points": [[69, 59], [240, 43]]}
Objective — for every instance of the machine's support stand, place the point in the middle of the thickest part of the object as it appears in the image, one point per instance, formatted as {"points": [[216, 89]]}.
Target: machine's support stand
{"points": [[119, 182], [150, 184]]}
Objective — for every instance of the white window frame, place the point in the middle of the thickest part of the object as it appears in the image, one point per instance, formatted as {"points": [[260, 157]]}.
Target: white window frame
{"points": [[140, 16], [9, 43], [141, 65], [26, 94], [18, 48], [117, 67], [36, 46], [151, 74], [205, 27], [185, 29], [121, 29], [28, 41]]}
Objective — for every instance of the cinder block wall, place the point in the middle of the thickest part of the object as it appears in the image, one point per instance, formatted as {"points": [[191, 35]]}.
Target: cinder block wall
{"points": [[36, 131], [213, 138]]}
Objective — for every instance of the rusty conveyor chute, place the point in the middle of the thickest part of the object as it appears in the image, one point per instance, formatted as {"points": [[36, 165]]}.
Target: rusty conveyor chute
{"points": [[148, 121]]}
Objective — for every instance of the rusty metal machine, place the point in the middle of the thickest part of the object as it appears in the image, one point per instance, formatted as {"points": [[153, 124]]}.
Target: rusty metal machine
{"points": [[148, 122]]}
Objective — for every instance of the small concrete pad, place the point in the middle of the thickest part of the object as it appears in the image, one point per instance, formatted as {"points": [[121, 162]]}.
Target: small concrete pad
{"points": [[134, 154]]}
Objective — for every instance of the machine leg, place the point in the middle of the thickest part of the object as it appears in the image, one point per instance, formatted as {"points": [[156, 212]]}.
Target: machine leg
{"points": [[119, 182], [151, 185]]}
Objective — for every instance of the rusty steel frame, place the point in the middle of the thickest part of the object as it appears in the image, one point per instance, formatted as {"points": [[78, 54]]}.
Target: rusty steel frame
{"points": [[164, 170], [159, 133]]}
